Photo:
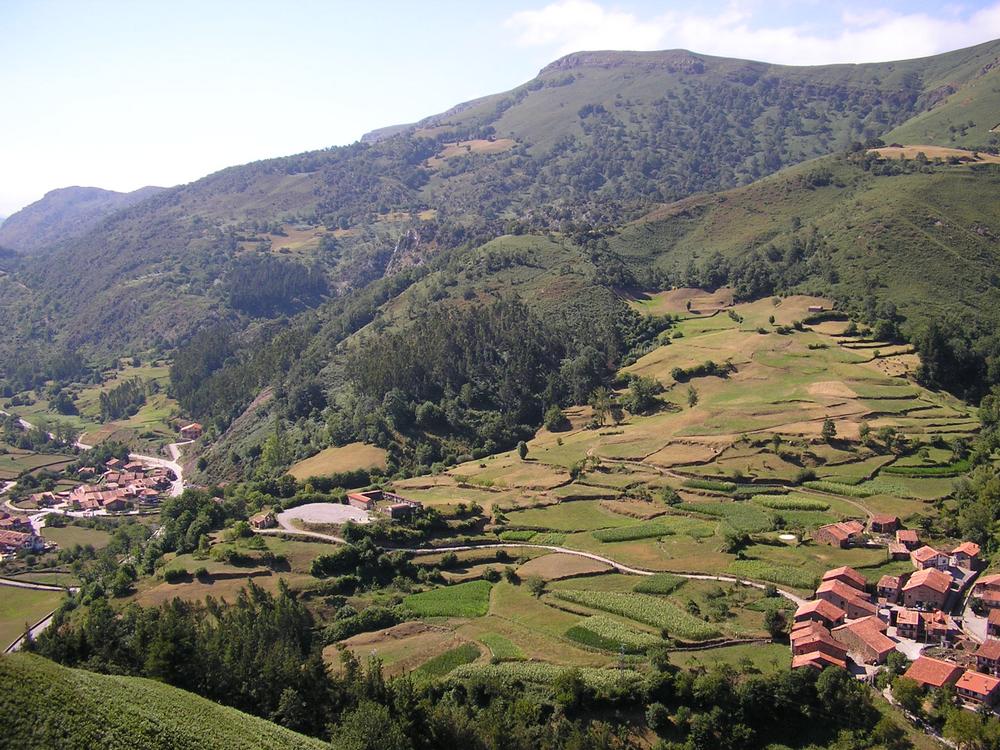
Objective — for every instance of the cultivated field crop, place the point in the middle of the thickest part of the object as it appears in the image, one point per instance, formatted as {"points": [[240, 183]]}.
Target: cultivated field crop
{"points": [[470, 599], [643, 608], [763, 571], [601, 631]]}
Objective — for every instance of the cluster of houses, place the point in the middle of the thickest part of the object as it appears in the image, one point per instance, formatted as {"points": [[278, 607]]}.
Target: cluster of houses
{"points": [[387, 503], [845, 623], [120, 484], [16, 534]]}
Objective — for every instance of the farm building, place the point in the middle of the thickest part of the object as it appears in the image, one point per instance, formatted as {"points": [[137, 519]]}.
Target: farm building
{"points": [[191, 431], [882, 523], [847, 575], [855, 603], [928, 557], [909, 538], [978, 687], [933, 673], [909, 624], [988, 657], [987, 589], [966, 556], [264, 520], [817, 660], [940, 627], [815, 639], [890, 588], [993, 624], [865, 640], [842, 534], [821, 611], [15, 541], [927, 588]]}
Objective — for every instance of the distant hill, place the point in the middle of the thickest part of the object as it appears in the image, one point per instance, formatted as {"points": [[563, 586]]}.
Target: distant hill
{"points": [[596, 138], [50, 707], [63, 215]]}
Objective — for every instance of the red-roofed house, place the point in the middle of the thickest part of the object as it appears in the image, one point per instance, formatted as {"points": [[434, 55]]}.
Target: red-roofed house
{"points": [[191, 431], [928, 557], [978, 688], [966, 555], [817, 660], [882, 523], [927, 588], [363, 500], [848, 598], [993, 624], [846, 575], [939, 627], [866, 640], [890, 588], [820, 610], [842, 534], [934, 673], [987, 589], [988, 657], [818, 639], [909, 624], [909, 538]]}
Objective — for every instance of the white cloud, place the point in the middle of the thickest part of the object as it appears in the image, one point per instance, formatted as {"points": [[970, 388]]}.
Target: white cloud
{"points": [[876, 34]]}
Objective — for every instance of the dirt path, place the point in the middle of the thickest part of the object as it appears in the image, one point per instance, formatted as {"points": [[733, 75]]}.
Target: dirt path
{"points": [[622, 568]]}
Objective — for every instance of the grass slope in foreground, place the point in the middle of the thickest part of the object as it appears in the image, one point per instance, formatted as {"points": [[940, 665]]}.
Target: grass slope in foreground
{"points": [[50, 707]]}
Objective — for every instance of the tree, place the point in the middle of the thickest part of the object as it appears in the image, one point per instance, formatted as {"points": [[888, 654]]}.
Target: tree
{"points": [[908, 694], [555, 419], [692, 396], [536, 585], [865, 433], [776, 623], [829, 431], [641, 397], [600, 402], [370, 726], [890, 735], [522, 450], [964, 728], [658, 717]]}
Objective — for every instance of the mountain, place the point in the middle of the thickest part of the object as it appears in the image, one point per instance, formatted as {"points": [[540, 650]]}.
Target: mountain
{"points": [[64, 215], [597, 138], [57, 708]]}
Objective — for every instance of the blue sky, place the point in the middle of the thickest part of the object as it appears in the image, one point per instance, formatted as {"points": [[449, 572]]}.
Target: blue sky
{"points": [[125, 94]]}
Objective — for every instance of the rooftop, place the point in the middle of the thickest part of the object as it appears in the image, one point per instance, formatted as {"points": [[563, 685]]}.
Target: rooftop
{"points": [[989, 649], [846, 572], [821, 607], [932, 578], [977, 682], [933, 672], [924, 554]]}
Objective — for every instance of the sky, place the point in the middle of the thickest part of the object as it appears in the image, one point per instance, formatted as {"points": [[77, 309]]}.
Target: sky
{"points": [[125, 94]]}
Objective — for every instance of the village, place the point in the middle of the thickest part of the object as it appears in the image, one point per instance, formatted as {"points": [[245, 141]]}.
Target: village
{"points": [[122, 487], [850, 626]]}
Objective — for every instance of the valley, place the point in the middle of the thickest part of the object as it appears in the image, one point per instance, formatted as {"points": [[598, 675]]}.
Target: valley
{"points": [[653, 403]]}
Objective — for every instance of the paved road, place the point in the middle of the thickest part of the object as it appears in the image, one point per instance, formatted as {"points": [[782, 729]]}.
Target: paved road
{"points": [[42, 624], [794, 598]]}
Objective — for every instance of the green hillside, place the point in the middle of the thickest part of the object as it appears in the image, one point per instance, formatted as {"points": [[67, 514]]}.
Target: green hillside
{"points": [[595, 138], [50, 707]]}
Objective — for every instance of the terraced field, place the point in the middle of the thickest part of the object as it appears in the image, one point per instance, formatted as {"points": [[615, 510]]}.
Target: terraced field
{"points": [[729, 483]]}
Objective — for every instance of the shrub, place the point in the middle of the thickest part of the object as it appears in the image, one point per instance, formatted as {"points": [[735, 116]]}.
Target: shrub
{"points": [[173, 575], [661, 583], [710, 484]]}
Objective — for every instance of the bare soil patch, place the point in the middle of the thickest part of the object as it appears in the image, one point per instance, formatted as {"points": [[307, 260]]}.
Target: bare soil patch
{"points": [[558, 565], [934, 152]]}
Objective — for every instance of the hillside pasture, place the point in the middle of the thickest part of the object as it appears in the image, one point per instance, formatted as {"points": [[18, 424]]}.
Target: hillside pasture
{"points": [[337, 459]]}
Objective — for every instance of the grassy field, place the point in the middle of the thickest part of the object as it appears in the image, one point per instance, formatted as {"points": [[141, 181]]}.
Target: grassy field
{"points": [[470, 599], [339, 458], [49, 706], [70, 536], [23, 606]]}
